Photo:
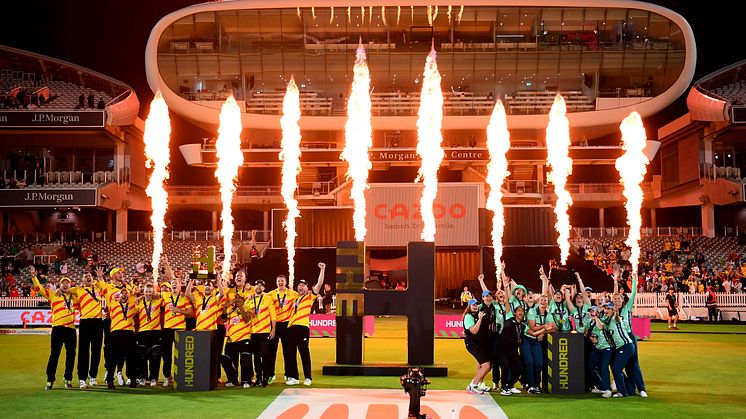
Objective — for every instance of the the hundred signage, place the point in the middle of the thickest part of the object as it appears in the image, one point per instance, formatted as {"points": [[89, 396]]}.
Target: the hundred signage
{"points": [[46, 198], [51, 119]]}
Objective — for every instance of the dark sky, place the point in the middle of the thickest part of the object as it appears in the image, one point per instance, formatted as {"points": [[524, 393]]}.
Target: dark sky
{"points": [[110, 37]]}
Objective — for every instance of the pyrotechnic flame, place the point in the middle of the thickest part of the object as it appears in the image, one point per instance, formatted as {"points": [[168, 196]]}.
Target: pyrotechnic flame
{"points": [[349, 16], [429, 140], [398, 14], [632, 169], [158, 156], [449, 14], [358, 139], [230, 158], [558, 158], [331, 19], [297, 11], [460, 13], [435, 13], [362, 14], [430, 15], [313, 13], [290, 156], [370, 14], [498, 144], [383, 15], [411, 12]]}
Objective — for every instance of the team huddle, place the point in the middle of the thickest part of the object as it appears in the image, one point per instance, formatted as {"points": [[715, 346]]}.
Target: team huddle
{"points": [[137, 323], [506, 332]]}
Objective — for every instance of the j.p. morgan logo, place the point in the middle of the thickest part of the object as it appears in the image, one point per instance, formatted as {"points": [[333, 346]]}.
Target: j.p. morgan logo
{"points": [[58, 119], [59, 198]]}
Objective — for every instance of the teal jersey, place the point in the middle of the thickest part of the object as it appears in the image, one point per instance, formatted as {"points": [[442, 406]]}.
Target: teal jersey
{"points": [[560, 316], [580, 317], [502, 315], [626, 310], [469, 321], [593, 331], [539, 319], [514, 302], [616, 329]]}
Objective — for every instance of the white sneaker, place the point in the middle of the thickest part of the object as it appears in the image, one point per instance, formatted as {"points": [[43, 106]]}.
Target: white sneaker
{"points": [[292, 381], [92, 382], [617, 395], [644, 394], [48, 386], [82, 384], [506, 392], [271, 380], [153, 383], [473, 389], [68, 384], [606, 394], [246, 385], [596, 390], [229, 384], [307, 382], [120, 379], [141, 382], [514, 390], [166, 382], [613, 386], [483, 387]]}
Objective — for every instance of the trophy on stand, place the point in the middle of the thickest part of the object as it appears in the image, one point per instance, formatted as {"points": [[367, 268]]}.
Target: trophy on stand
{"points": [[203, 267]]}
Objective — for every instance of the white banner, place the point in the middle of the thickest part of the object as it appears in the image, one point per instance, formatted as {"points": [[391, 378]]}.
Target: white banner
{"points": [[393, 214], [31, 317]]}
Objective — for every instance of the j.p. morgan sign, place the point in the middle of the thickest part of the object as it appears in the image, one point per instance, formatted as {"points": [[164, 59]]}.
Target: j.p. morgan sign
{"points": [[46, 198], [37, 119]]}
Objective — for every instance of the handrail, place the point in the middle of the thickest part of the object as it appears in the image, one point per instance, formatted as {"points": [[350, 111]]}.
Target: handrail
{"points": [[116, 99]]}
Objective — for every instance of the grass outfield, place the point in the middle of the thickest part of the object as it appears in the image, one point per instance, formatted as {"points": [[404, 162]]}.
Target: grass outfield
{"points": [[687, 375]]}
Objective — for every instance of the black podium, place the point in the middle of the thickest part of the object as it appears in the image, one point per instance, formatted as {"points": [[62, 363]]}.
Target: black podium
{"points": [[195, 360], [566, 369]]}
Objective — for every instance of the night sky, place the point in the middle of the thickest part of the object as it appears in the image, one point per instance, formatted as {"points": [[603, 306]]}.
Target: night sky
{"points": [[110, 37]]}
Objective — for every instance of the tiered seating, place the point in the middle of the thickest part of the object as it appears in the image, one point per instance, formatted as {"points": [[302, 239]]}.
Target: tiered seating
{"points": [[271, 103], [533, 101], [68, 94], [734, 92], [408, 103]]}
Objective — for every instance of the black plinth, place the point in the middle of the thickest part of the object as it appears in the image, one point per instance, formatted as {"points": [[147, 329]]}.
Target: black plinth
{"points": [[391, 369]]}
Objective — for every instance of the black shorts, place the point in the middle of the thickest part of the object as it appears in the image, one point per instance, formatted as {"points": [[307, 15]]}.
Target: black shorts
{"points": [[673, 312], [481, 352]]}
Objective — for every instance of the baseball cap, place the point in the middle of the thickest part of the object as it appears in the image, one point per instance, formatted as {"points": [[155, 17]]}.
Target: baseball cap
{"points": [[594, 308], [302, 281], [65, 279], [588, 289], [113, 271], [259, 281], [609, 305], [473, 301], [164, 285], [486, 293]]}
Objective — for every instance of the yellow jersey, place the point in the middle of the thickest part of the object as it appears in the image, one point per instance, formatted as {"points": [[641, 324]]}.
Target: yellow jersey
{"points": [[283, 302], [173, 320], [244, 292], [236, 329], [263, 309], [89, 300], [208, 309], [122, 314], [63, 306], [302, 309], [149, 314]]}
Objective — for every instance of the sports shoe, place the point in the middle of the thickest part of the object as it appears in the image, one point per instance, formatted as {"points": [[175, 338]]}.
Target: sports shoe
{"points": [[606, 394], [229, 384], [92, 381], [596, 390], [307, 382], [110, 386], [613, 386], [292, 381], [514, 390], [271, 380], [537, 390], [141, 382], [483, 387], [68, 384], [153, 383], [644, 394], [532, 390], [618, 395], [246, 385], [506, 392], [263, 383], [82, 384], [494, 386], [473, 389], [48, 386], [166, 382], [120, 379]]}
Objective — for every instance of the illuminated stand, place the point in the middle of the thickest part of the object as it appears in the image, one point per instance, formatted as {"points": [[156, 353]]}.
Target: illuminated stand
{"points": [[566, 366], [196, 352], [417, 303]]}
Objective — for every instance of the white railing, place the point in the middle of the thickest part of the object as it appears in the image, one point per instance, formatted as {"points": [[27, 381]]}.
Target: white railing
{"points": [[594, 232], [21, 302], [200, 235], [651, 304]]}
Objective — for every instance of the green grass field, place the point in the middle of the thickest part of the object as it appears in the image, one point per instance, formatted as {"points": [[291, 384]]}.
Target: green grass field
{"points": [[690, 373]]}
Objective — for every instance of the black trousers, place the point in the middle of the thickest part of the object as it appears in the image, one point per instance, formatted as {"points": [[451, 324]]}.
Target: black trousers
{"points": [[167, 350], [299, 339], [712, 313], [281, 334], [108, 358], [511, 364], [496, 358], [123, 348], [66, 336], [238, 354], [149, 353], [219, 340], [260, 350], [89, 347]]}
